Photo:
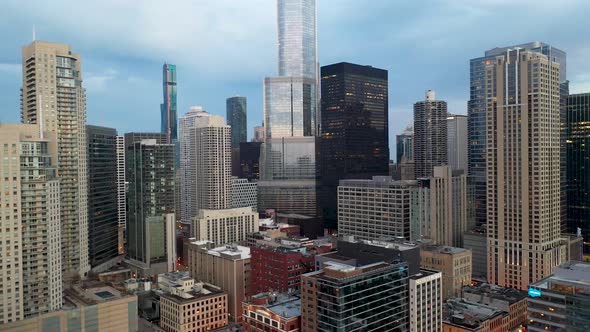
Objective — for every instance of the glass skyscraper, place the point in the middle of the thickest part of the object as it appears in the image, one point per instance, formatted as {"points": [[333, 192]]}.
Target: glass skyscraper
{"points": [[297, 38], [237, 117], [168, 107]]}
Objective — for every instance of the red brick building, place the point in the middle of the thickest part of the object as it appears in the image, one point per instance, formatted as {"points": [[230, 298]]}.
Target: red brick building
{"points": [[279, 269], [272, 312]]}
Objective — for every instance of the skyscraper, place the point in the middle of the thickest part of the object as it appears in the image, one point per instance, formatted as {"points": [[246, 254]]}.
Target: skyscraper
{"points": [[237, 115], [258, 134], [522, 167], [250, 160], [430, 134], [297, 38], [150, 201], [476, 111], [53, 97], [354, 139], [168, 107], [103, 218], [31, 282], [578, 164], [404, 146], [457, 142], [121, 192]]}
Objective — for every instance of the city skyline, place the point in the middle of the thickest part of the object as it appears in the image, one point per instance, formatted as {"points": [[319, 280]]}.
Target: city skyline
{"points": [[121, 67]]}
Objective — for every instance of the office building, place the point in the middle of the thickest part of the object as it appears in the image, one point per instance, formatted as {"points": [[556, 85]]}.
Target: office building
{"points": [[258, 134], [439, 208], [121, 192], [237, 115], [378, 292], [480, 94], [464, 316], [200, 308], [523, 168], [227, 267], [404, 146], [103, 218], [250, 160], [272, 312], [560, 302], [578, 164], [168, 109], [136, 137], [31, 264], [150, 201], [244, 193], [297, 38], [88, 306], [354, 134], [53, 97], [425, 290], [475, 240], [225, 226], [457, 142], [453, 263], [510, 300], [430, 135], [374, 209]]}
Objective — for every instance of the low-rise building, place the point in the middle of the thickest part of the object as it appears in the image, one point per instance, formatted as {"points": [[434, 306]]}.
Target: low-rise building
{"points": [[273, 312], [280, 268], [425, 289], [465, 316], [454, 263], [510, 300]]}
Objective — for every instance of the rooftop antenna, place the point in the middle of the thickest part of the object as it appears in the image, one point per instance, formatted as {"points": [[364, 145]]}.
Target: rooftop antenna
{"points": [[34, 34]]}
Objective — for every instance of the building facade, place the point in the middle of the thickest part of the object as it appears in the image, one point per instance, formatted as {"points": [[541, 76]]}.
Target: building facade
{"points": [[404, 146], [168, 109], [475, 240], [279, 269], [225, 226], [374, 209], [425, 294], [237, 118], [510, 300], [244, 193], [578, 180], [103, 217], [272, 312], [121, 186], [52, 77], [457, 142], [379, 292], [250, 160], [430, 135], [354, 134], [453, 263]]}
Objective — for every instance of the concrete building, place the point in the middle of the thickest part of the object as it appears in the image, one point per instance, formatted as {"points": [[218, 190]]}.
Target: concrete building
{"points": [[439, 208], [90, 306], [199, 308], [244, 193], [225, 226], [457, 142], [465, 316], [378, 292], [430, 135], [510, 300], [52, 96], [375, 209], [476, 241], [121, 192], [425, 293], [227, 267], [454, 263], [31, 266], [560, 302], [272, 312], [523, 168]]}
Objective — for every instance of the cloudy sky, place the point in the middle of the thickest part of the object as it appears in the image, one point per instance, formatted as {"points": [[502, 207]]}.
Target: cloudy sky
{"points": [[224, 48]]}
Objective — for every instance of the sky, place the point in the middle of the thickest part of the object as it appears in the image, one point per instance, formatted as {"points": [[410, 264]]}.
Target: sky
{"points": [[225, 48]]}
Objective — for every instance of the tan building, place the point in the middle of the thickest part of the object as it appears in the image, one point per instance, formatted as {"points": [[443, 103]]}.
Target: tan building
{"points": [[523, 167], [227, 267], [225, 226], [465, 316], [510, 300], [203, 308], [53, 97], [453, 263], [88, 307]]}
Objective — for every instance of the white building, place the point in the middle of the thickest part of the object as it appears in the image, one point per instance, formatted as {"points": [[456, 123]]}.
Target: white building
{"points": [[244, 193], [425, 293], [457, 142], [225, 226]]}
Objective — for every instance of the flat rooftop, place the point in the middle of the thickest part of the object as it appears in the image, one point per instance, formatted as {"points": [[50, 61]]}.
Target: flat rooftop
{"points": [[231, 251], [461, 312], [443, 249], [573, 273], [511, 295], [194, 295], [285, 305], [90, 293], [423, 273]]}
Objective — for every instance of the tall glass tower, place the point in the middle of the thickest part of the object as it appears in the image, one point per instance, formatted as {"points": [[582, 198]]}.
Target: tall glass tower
{"points": [[297, 38], [168, 108]]}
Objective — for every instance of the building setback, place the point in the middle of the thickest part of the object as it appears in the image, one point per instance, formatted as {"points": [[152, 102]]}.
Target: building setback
{"points": [[430, 135]]}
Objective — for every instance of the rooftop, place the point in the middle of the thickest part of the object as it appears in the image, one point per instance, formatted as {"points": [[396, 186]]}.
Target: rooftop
{"points": [[443, 249], [90, 293], [511, 295], [197, 294], [232, 251], [340, 271], [468, 314], [575, 274], [394, 243], [378, 181], [423, 273], [284, 305]]}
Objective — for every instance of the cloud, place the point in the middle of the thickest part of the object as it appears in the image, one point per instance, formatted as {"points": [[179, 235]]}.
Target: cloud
{"points": [[98, 82], [11, 68]]}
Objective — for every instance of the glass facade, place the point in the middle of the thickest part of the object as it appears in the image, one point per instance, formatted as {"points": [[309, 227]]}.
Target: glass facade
{"points": [[404, 147], [236, 115], [297, 38], [250, 160], [578, 164], [168, 107]]}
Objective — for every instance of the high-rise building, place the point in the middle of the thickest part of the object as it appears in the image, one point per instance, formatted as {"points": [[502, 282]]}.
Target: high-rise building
{"points": [[168, 109], [297, 38], [225, 226], [354, 129], [578, 164], [439, 208], [103, 219], [258, 134], [430, 135], [425, 294], [250, 160], [150, 201], [346, 298], [374, 209], [454, 263], [53, 97], [476, 240], [404, 146], [457, 142], [244, 193], [31, 266], [523, 168], [478, 100], [121, 192], [236, 115], [560, 302]]}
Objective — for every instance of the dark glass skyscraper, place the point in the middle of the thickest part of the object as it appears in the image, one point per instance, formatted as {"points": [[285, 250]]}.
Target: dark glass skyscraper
{"points": [[354, 138], [578, 164], [430, 135], [236, 115], [168, 107], [103, 219], [250, 160]]}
